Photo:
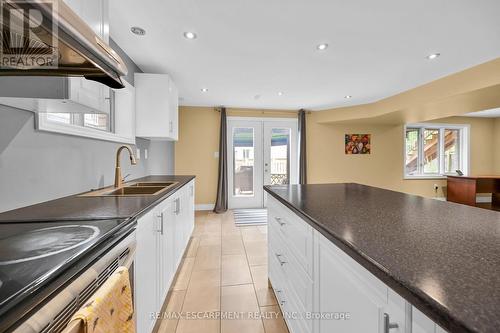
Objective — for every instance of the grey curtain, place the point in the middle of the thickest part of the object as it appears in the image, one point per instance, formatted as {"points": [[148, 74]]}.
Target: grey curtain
{"points": [[302, 148], [221, 201]]}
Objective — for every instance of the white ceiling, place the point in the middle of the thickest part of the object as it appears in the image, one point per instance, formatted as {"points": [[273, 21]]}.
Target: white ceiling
{"points": [[255, 47], [492, 113]]}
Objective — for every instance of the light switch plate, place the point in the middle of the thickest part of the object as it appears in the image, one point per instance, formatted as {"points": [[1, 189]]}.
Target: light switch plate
{"points": [[216, 154]]}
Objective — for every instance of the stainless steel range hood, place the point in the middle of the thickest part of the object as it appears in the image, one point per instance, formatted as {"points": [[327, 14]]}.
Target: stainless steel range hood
{"points": [[46, 38]]}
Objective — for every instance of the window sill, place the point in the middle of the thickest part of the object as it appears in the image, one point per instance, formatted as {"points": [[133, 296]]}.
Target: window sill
{"points": [[426, 177], [42, 124]]}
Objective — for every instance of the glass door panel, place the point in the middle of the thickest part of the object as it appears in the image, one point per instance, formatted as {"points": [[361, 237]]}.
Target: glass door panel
{"points": [[243, 161]]}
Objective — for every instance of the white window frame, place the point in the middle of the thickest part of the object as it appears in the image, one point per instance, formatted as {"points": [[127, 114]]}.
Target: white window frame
{"points": [[464, 147], [43, 124]]}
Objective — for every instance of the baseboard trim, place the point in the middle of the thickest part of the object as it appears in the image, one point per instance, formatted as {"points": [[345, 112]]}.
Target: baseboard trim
{"points": [[204, 207]]}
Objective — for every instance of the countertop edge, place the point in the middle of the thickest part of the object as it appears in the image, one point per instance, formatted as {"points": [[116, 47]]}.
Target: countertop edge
{"points": [[413, 295]]}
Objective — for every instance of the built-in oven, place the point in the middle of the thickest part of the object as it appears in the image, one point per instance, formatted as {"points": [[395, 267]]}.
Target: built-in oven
{"points": [[54, 316]]}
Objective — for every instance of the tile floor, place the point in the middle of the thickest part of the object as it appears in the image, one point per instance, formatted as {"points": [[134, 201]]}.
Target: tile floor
{"points": [[223, 279]]}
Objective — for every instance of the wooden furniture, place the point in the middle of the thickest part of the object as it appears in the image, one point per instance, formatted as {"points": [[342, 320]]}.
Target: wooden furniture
{"points": [[463, 190]]}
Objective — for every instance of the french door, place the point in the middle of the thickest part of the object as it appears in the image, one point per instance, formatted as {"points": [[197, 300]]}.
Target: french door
{"points": [[261, 151]]}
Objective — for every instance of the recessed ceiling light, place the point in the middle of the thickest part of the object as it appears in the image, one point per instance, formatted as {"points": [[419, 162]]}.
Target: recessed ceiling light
{"points": [[256, 97], [347, 96], [433, 56], [280, 93], [190, 35], [138, 31], [322, 47], [204, 89]]}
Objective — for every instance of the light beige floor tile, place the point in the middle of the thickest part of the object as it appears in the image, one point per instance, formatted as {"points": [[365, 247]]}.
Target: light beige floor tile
{"points": [[210, 238], [185, 269], [208, 257], [256, 252], [198, 326], [273, 320], [192, 247], [252, 234], [205, 279], [169, 322], [239, 298], [202, 299], [235, 270], [232, 245], [265, 295]]}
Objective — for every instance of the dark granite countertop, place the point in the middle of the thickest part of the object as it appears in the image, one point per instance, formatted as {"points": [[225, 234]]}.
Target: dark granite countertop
{"points": [[88, 208], [442, 257]]}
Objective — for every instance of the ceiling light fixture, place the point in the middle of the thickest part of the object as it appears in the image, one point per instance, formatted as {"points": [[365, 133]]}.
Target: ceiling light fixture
{"points": [[280, 93], [190, 35], [347, 96], [204, 90], [138, 31], [433, 56], [322, 47], [256, 97]]}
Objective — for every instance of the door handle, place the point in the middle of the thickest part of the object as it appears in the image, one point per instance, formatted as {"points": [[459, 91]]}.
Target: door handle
{"points": [[387, 323]]}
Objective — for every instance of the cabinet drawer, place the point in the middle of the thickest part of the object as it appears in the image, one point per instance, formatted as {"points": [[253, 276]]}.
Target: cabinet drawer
{"points": [[292, 280], [295, 232]]}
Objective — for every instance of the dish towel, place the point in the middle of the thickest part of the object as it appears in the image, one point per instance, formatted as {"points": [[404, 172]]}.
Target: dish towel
{"points": [[110, 309]]}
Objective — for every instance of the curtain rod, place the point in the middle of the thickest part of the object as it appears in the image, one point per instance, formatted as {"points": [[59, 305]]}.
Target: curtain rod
{"points": [[218, 109]]}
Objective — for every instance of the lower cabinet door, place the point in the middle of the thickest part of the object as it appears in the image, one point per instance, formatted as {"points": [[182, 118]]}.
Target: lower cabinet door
{"points": [[166, 248], [146, 273], [348, 301]]}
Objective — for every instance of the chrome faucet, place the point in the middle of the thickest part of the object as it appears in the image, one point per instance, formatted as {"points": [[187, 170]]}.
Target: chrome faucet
{"points": [[118, 172]]}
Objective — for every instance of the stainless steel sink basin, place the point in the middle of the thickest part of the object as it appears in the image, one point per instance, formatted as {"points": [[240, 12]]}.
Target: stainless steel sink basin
{"points": [[133, 189], [162, 184], [136, 190]]}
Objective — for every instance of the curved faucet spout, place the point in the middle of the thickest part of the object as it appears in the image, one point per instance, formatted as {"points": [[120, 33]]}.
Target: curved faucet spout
{"points": [[118, 173]]}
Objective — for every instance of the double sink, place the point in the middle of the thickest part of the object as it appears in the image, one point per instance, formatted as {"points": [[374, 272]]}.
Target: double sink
{"points": [[133, 189]]}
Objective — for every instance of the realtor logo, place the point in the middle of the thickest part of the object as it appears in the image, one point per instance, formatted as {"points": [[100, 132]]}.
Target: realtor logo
{"points": [[29, 35]]}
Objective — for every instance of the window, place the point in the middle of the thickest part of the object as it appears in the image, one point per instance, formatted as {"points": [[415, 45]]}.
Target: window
{"points": [[435, 150]]}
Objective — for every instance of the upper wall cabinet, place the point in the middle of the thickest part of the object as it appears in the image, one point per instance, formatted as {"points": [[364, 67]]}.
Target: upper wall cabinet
{"points": [[156, 107], [63, 95]]}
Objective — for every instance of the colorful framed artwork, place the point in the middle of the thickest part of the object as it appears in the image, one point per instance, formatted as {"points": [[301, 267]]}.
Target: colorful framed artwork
{"points": [[357, 144]]}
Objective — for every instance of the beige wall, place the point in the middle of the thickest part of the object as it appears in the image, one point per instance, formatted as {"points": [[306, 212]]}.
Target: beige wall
{"points": [[199, 141], [327, 161]]}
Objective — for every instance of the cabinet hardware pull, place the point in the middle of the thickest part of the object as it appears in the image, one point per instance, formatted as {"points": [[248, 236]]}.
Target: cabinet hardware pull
{"points": [[160, 216], [280, 221], [387, 323], [278, 256], [177, 206]]}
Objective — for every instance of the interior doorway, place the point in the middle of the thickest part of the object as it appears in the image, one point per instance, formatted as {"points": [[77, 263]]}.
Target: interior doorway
{"points": [[261, 151]]}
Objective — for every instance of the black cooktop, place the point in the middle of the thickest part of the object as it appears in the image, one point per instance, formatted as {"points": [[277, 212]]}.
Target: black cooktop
{"points": [[32, 254]]}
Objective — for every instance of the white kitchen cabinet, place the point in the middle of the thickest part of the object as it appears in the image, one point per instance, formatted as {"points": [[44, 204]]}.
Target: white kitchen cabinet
{"points": [[146, 280], [124, 112], [162, 238], [156, 107], [422, 324]]}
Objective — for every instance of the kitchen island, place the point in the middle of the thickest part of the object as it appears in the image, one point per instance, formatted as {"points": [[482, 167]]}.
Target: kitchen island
{"points": [[389, 260]]}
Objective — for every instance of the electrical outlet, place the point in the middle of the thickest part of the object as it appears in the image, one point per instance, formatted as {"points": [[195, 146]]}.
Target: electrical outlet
{"points": [[138, 154]]}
